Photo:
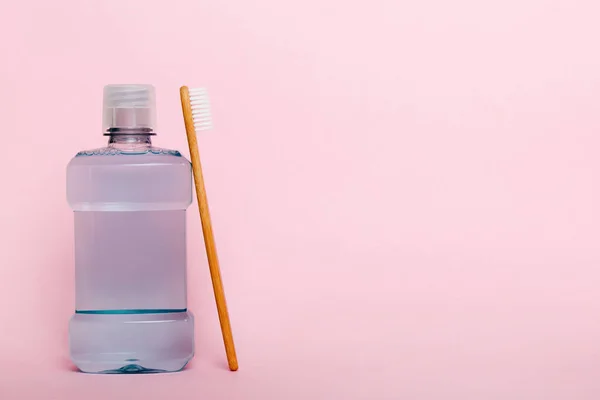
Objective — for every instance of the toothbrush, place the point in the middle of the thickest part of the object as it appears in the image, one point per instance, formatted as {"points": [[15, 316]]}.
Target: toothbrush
{"points": [[196, 115]]}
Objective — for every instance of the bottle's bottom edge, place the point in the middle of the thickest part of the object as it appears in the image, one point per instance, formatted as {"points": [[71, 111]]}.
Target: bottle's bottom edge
{"points": [[132, 367], [135, 343]]}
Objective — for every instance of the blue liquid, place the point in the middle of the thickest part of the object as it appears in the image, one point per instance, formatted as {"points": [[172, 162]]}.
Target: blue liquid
{"points": [[130, 260]]}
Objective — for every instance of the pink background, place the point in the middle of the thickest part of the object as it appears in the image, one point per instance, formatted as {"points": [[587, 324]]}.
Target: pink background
{"points": [[404, 193]]}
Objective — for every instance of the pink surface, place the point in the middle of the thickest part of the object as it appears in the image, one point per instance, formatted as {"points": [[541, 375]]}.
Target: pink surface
{"points": [[404, 193]]}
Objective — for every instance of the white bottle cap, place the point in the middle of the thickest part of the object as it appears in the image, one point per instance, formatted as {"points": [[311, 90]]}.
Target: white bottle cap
{"points": [[129, 107]]}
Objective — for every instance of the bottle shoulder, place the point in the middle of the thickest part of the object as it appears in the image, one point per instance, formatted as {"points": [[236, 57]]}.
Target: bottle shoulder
{"points": [[105, 180], [111, 155], [111, 151]]}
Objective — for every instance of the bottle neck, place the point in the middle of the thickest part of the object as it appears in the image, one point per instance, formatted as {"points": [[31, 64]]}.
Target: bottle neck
{"points": [[130, 141]]}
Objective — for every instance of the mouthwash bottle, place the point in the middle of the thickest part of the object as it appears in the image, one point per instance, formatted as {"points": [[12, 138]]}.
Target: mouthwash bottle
{"points": [[129, 201]]}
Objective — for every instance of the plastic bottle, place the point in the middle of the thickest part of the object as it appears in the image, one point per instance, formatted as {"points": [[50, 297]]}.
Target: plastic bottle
{"points": [[129, 201]]}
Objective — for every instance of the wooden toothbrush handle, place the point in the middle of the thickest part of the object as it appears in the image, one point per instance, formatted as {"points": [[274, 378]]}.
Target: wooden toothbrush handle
{"points": [[209, 240]]}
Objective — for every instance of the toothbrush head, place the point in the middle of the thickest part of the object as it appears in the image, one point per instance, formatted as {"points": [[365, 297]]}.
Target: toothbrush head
{"points": [[200, 104]]}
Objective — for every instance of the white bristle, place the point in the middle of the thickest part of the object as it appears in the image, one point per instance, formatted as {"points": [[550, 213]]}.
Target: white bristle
{"points": [[200, 104]]}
